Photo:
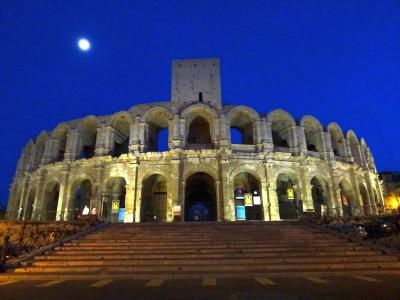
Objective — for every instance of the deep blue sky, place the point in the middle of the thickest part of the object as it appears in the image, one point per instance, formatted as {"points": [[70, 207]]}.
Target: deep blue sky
{"points": [[337, 60]]}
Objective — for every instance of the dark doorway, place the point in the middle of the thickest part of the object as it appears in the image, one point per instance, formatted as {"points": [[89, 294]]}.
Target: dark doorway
{"points": [[200, 198], [154, 199], [289, 205]]}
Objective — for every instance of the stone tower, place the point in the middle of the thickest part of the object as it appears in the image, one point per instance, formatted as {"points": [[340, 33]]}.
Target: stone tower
{"points": [[196, 80]]}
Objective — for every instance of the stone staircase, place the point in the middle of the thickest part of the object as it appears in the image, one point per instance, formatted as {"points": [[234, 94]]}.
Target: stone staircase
{"points": [[184, 249]]}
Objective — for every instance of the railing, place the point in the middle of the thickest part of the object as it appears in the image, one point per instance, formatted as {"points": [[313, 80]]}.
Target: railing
{"points": [[243, 147], [19, 238]]}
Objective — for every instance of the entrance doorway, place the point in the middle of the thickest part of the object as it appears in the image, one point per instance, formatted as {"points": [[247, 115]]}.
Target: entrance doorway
{"points": [[289, 204], [200, 198], [248, 200], [154, 199]]}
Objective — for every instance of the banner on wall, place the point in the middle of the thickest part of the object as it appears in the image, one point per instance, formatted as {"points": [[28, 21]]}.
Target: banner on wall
{"points": [[290, 194], [177, 210], [115, 206], [240, 213], [248, 199], [256, 198], [239, 193]]}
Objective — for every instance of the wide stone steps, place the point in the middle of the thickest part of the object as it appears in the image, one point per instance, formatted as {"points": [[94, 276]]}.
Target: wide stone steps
{"points": [[204, 268], [122, 255], [209, 261], [212, 248]]}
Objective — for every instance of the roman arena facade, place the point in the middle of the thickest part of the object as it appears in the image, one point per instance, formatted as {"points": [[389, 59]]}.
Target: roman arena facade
{"points": [[115, 164]]}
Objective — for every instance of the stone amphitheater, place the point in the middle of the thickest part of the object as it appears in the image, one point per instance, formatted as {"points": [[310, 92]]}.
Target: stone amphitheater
{"points": [[219, 162]]}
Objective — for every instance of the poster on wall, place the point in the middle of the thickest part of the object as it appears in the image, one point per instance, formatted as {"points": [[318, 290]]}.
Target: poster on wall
{"points": [[239, 193], [248, 199], [256, 200], [177, 210], [240, 213], [290, 194], [115, 206]]}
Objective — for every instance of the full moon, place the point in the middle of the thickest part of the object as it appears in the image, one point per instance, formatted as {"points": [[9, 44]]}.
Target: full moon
{"points": [[84, 44]]}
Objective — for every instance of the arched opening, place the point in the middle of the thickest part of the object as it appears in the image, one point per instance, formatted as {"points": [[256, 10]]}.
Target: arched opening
{"points": [[81, 193], [199, 134], [50, 201], [337, 140], [289, 203], [60, 135], [347, 198], [364, 197], [113, 207], [121, 131], [88, 130], [248, 198], [354, 147], [200, 198], [153, 207], [281, 122], [319, 196], [39, 149], [29, 204], [312, 131], [157, 131], [243, 124]]}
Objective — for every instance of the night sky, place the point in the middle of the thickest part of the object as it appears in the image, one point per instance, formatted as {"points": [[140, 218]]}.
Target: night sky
{"points": [[336, 60]]}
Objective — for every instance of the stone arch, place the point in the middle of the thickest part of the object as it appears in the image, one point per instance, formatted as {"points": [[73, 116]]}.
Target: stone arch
{"points": [[313, 133], [203, 168], [243, 119], [248, 196], [281, 123], [354, 146], [158, 122], [365, 199], [288, 193], [337, 139], [200, 197], [40, 144], [154, 198], [80, 195], [60, 135], [115, 193], [26, 161], [30, 200], [200, 126], [121, 123], [319, 194], [88, 135], [50, 200], [365, 153], [348, 197]]}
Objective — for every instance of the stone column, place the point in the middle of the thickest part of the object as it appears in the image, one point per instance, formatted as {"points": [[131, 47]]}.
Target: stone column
{"points": [[271, 195], [305, 188], [38, 204], [220, 202], [265, 201], [50, 151], [63, 204], [182, 199], [73, 146], [227, 191], [176, 137], [95, 199], [174, 183], [268, 142], [301, 136], [104, 141], [138, 202], [293, 140], [134, 136], [129, 203], [357, 201]]}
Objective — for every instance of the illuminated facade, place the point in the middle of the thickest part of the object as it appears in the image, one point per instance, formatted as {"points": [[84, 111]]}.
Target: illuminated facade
{"points": [[115, 166]]}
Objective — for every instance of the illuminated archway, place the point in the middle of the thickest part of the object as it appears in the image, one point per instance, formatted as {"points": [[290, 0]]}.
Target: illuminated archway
{"points": [[200, 198], [153, 207]]}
